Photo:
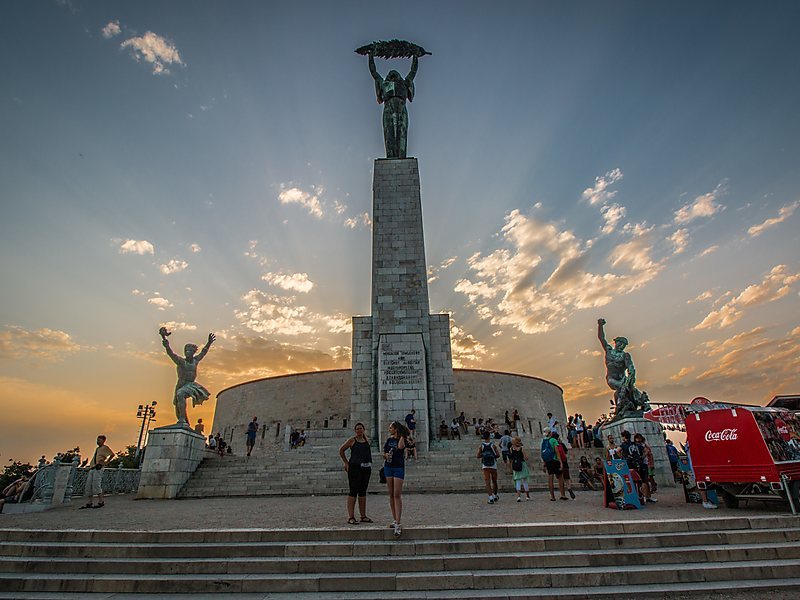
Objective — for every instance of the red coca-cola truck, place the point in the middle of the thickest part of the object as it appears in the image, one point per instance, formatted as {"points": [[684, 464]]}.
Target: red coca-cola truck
{"points": [[746, 452]]}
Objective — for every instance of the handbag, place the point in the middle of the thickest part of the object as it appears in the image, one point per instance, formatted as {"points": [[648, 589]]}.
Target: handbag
{"points": [[382, 475]]}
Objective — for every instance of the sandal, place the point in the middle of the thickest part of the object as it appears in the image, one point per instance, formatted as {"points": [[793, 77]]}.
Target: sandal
{"points": [[366, 519], [552, 499], [563, 498], [352, 521], [90, 505]]}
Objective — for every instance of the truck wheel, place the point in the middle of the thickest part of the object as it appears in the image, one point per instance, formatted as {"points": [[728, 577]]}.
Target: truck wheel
{"points": [[729, 499]]}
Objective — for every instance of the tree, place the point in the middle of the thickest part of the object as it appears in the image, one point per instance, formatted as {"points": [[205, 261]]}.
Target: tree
{"points": [[14, 471], [128, 459]]}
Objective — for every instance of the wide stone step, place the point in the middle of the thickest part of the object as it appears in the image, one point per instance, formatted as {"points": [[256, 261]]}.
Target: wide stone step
{"points": [[380, 543], [524, 578], [511, 558]]}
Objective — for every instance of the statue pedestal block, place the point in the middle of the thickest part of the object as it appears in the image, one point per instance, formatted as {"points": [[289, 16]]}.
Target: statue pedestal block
{"points": [[653, 433], [172, 455]]}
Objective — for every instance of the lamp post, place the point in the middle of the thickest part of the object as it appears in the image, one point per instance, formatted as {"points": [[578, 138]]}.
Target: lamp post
{"points": [[147, 413]]}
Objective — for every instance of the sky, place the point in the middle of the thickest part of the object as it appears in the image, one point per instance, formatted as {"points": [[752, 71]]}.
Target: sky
{"points": [[207, 166]]}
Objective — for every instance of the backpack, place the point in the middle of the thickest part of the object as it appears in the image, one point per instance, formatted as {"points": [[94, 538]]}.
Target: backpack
{"points": [[548, 453], [516, 460], [634, 455], [488, 457]]}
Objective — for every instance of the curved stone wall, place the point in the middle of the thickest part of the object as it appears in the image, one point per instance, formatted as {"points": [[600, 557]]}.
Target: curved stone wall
{"points": [[320, 400]]}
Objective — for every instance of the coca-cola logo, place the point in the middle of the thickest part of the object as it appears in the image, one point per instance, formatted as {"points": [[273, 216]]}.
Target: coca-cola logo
{"points": [[725, 435]]}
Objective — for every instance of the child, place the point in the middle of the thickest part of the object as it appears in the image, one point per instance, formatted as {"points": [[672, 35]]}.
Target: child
{"points": [[519, 467]]}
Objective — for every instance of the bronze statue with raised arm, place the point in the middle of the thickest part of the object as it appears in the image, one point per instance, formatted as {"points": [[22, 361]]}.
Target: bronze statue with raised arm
{"points": [[186, 387], [394, 91], [621, 376]]}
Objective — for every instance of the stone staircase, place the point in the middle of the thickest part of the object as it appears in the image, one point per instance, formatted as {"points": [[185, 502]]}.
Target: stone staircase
{"points": [[624, 558], [450, 466]]}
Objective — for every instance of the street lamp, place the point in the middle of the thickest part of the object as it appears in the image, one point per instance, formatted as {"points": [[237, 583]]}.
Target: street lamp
{"points": [[147, 413]]}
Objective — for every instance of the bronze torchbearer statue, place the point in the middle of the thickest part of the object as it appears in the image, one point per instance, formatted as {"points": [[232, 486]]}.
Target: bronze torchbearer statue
{"points": [[621, 377], [186, 387], [393, 91]]}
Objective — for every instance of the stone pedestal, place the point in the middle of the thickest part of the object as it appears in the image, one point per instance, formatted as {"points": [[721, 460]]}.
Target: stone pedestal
{"points": [[172, 455], [401, 353], [653, 433]]}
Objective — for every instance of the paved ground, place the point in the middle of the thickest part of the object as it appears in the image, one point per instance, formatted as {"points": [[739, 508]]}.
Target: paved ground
{"points": [[125, 513]]}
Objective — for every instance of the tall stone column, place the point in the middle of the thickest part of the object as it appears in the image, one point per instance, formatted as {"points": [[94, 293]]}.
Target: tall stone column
{"points": [[401, 353]]}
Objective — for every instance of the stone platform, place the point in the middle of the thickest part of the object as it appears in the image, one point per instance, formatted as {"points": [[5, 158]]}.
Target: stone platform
{"points": [[453, 546]]}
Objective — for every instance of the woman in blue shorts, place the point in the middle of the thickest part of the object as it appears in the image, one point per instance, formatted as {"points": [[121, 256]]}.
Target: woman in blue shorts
{"points": [[394, 469]]}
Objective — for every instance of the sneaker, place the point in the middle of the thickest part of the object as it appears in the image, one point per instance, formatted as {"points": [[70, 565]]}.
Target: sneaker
{"points": [[519, 499], [527, 498], [652, 500], [571, 494], [491, 500], [393, 524], [397, 530], [496, 498], [709, 505]]}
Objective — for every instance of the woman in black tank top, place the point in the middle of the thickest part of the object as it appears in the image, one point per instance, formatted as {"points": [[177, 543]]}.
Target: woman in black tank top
{"points": [[358, 468]]}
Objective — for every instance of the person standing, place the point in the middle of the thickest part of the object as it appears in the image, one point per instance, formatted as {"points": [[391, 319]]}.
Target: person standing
{"points": [[552, 464], [395, 472], [633, 453], [505, 446], [358, 468], [579, 426], [488, 454], [561, 449], [672, 454], [411, 422], [252, 430], [200, 428], [517, 422], [552, 422], [94, 479], [519, 468]]}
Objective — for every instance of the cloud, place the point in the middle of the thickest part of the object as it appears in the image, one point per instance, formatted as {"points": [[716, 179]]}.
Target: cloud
{"points": [[543, 274], [111, 29], [179, 326], [466, 350], [680, 239], [309, 201], [173, 266], [612, 215], [784, 213], [341, 354], [253, 357], [586, 389], [161, 303], [339, 323], [266, 313], [154, 49], [600, 194], [298, 282], [339, 208], [433, 271], [587, 352], [137, 292], [704, 296], [44, 344], [362, 220], [703, 206], [682, 373], [708, 251], [775, 285], [195, 248], [136, 247]]}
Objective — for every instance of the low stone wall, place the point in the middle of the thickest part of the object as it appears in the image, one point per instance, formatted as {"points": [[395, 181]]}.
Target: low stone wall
{"points": [[320, 402]]}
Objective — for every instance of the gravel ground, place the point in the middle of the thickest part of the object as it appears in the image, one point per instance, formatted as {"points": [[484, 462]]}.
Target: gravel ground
{"points": [[125, 513]]}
